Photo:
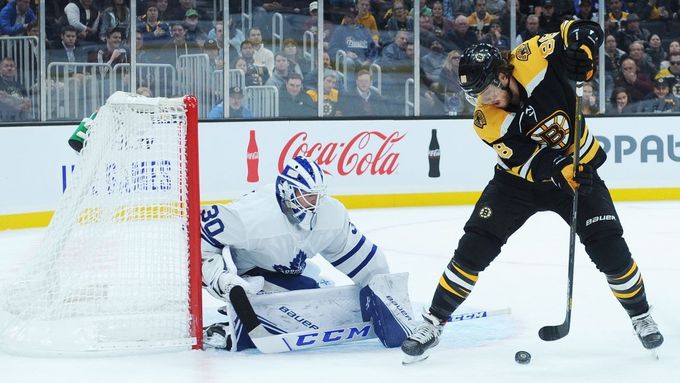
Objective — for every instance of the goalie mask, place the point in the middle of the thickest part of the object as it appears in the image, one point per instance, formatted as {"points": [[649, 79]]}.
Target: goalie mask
{"points": [[300, 187]]}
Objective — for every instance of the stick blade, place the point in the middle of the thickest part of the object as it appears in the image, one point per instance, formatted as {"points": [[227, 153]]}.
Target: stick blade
{"points": [[551, 333]]}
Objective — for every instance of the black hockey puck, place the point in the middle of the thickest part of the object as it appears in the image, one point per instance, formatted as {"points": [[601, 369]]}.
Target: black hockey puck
{"points": [[522, 357]]}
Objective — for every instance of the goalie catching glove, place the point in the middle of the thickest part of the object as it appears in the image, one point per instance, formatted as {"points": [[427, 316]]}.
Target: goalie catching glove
{"points": [[564, 176]]}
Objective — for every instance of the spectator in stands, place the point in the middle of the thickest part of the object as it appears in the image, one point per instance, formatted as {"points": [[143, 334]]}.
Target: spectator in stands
{"points": [[673, 47], [194, 31], [281, 71], [211, 48], [394, 56], [620, 102], [67, 49], [236, 107], [179, 10], [426, 30], [356, 41], [144, 91], [532, 29], [495, 7], [112, 53], [15, 17], [115, 16], [652, 10], [504, 18], [144, 55], [163, 13], [312, 21], [298, 63], [549, 21], [461, 37], [632, 32], [453, 8], [293, 102], [636, 51], [613, 22], [441, 24], [14, 101], [254, 72], [672, 73], [585, 11], [662, 100], [433, 62], [361, 100], [261, 55], [449, 85], [155, 31], [331, 95], [33, 29], [589, 106], [655, 51], [236, 37], [84, 16], [400, 20], [613, 55], [252, 77], [366, 18], [496, 37], [636, 83], [179, 45], [480, 20]]}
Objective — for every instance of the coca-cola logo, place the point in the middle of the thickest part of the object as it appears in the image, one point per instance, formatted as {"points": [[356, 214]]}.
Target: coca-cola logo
{"points": [[367, 152], [253, 155]]}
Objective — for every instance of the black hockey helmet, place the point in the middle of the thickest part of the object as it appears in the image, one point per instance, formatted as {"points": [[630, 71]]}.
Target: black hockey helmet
{"points": [[479, 68]]}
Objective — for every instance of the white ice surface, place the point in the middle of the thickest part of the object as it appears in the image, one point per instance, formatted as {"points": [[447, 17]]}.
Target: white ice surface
{"points": [[529, 276]]}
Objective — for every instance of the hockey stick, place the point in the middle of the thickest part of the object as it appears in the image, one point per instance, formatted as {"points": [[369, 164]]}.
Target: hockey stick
{"points": [[550, 333], [268, 343]]}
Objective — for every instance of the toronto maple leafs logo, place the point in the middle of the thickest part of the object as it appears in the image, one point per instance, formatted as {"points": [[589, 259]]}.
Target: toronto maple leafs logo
{"points": [[297, 265]]}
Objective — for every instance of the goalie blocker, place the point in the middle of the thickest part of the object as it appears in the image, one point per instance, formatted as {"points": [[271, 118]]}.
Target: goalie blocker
{"points": [[310, 318]]}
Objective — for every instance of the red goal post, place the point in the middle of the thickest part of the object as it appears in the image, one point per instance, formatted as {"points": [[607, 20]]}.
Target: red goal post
{"points": [[119, 269]]}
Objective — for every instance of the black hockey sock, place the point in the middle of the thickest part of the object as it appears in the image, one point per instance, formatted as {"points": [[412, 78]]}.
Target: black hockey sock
{"points": [[629, 289], [454, 287]]}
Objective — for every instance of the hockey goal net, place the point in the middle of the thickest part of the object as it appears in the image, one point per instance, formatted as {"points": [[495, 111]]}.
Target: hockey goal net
{"points": [[119, 267]]}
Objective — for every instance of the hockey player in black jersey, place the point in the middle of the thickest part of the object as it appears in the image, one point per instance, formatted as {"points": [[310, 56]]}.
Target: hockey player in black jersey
{"points": [[524, 109]]}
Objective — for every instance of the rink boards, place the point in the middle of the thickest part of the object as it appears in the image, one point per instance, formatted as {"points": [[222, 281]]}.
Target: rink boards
{"points": [[370, 163]]}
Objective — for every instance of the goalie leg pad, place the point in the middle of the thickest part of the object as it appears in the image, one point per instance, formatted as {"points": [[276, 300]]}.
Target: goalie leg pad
{"points": [[386, 303]]}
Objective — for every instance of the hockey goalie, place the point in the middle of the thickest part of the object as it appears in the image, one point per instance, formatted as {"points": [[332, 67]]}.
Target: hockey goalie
{"points": [[262, 242]]}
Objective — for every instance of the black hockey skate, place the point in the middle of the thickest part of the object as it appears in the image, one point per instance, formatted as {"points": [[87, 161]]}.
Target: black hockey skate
{"points": [[647, 331], [217, 336], [424, 337]]}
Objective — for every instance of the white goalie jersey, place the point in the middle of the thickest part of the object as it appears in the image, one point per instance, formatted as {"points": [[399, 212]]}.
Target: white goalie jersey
{"points": [[254, 233]]}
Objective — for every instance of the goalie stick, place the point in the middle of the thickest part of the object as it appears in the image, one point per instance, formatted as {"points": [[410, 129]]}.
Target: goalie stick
{"points": [[268, 343]]}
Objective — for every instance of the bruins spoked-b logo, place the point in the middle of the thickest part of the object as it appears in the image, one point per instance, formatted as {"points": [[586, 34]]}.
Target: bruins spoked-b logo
{"points": [[479, 119], [485, 212], [522, 52], [553, 130]]}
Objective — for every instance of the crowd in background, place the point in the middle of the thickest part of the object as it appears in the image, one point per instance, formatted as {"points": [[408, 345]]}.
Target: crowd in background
{"points": [[641, 71]]}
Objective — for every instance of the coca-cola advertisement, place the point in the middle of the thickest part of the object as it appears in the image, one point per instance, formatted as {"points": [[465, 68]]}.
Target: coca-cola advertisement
{"points": [[364, 153], [433, 155], [253, 159]]}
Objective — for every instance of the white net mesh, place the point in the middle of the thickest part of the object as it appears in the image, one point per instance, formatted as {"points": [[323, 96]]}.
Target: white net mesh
{"points": [[112, 273]]}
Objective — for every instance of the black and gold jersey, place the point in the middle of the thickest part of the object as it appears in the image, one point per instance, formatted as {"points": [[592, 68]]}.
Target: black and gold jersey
{"points": [[528, 139]]}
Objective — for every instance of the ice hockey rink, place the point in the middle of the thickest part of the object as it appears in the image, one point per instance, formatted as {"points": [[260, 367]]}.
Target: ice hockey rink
{"points": [[529, 277]]}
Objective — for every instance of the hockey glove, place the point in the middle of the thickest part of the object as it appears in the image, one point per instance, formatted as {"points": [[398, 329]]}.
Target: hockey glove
{"points": [[564, 177], [579, 62]]}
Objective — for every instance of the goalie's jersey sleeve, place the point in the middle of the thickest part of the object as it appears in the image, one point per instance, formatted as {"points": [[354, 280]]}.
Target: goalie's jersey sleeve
{"points": [[527, 141], [258, 235]]}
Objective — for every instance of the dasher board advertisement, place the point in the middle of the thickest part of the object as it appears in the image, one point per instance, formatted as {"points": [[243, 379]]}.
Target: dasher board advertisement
{"points": [[379, 158]]}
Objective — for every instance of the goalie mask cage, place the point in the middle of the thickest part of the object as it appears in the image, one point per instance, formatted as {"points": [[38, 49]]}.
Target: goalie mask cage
{"points": [[119, 269]]}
